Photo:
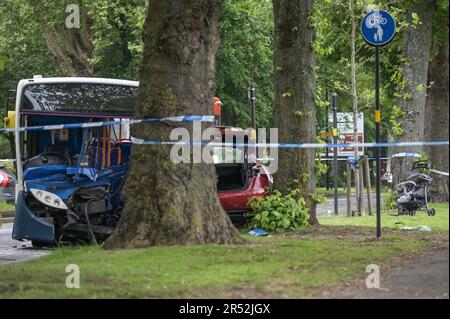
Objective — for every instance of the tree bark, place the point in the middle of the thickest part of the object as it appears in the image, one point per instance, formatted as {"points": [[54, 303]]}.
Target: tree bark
{"points": [[416, 51], [58, 53], [437, 121], [358, 180], [294, 111], [167, 203], [71, 48]]}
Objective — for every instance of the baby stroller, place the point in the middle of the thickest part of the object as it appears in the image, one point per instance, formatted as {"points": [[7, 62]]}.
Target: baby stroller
{"points": [[412, 194]]}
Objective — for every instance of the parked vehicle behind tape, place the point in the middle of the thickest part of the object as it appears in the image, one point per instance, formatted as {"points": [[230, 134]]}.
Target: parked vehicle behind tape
{"points": [[7, 185]]}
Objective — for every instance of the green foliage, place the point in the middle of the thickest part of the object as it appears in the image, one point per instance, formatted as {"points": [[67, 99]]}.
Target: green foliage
{"points": [[321, 167], [2, 62], [389, 201], [23, 48], [415, 19], [5, 149], [5, 207], [245, 56], [332, 20], [318, 198], [117, 39], [278, 212]]}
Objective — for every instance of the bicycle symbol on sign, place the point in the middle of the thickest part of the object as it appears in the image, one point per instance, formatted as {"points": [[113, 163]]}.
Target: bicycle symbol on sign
{"points": [[376, 20]]}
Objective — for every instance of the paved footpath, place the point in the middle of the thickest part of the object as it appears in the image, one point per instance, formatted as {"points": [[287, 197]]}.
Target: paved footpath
{"points": [[424, 277]]}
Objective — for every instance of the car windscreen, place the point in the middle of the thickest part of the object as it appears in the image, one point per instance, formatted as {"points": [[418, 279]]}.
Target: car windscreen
{"points": [[227, 155], [90, 98]]}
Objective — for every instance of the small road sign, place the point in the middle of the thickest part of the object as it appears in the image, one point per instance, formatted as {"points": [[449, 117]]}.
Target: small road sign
{"points": [[326, 134], [378, 27], [345, 132]]}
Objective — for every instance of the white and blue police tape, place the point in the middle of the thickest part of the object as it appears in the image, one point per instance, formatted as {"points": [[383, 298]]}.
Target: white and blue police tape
{"points": [[439, 172], [139, 141], [183, 118]]}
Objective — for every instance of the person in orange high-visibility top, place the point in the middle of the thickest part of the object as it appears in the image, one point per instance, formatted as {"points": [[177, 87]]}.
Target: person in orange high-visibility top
{"points": [[217, 109]]}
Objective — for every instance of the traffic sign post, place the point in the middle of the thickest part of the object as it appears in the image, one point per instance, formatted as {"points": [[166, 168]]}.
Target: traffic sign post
{"points": [[327, 174], [378, 29], [335, 161], [377, 139]]}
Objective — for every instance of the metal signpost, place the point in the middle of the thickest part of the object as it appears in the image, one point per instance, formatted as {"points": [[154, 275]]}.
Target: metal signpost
{"points": [[335, 162], [252, 100], [378, 29], [327, 154]]}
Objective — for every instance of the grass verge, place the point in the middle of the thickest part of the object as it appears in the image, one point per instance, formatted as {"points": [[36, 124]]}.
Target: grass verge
{"points": [[295, 264], [389, 219], [4, 206]]}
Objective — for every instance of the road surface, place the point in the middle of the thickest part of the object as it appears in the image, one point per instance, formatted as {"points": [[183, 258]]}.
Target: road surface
{"points": [[328, 206], [13, 251]]}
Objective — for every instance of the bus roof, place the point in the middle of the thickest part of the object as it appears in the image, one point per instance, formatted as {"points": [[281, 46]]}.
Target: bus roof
{"points": [[37, 79], [78, 95]]}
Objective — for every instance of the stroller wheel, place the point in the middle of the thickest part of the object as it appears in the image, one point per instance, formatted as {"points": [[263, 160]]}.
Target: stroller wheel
{"points": [[431, 212], [412, 213]]}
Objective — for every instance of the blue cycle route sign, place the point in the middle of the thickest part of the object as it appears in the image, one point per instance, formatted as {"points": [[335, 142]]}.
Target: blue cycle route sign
{"points": [[378, 27]]}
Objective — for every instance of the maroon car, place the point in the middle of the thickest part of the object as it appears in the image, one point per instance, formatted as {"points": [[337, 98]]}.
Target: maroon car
{"points": [[240, 176]]}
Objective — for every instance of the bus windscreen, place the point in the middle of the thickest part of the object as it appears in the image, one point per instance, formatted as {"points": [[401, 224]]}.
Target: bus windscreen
{"points": [[80, 98]]}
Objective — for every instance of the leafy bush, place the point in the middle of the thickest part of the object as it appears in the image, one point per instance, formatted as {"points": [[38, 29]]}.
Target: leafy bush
{"points": [[389, 201], [5, 149], [318, 198], [279, 212]]}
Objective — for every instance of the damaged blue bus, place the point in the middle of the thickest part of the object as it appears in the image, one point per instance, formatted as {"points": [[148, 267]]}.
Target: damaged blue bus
{"points": [[69, 181]]}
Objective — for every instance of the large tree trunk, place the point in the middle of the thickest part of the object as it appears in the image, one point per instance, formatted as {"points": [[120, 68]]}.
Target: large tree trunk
{"points": [[436, 121], [294, 111], [167, 203], [416, 51]]}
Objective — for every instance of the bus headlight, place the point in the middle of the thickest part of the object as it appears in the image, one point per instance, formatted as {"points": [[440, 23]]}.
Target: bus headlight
{"points": [[48, 198]]}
